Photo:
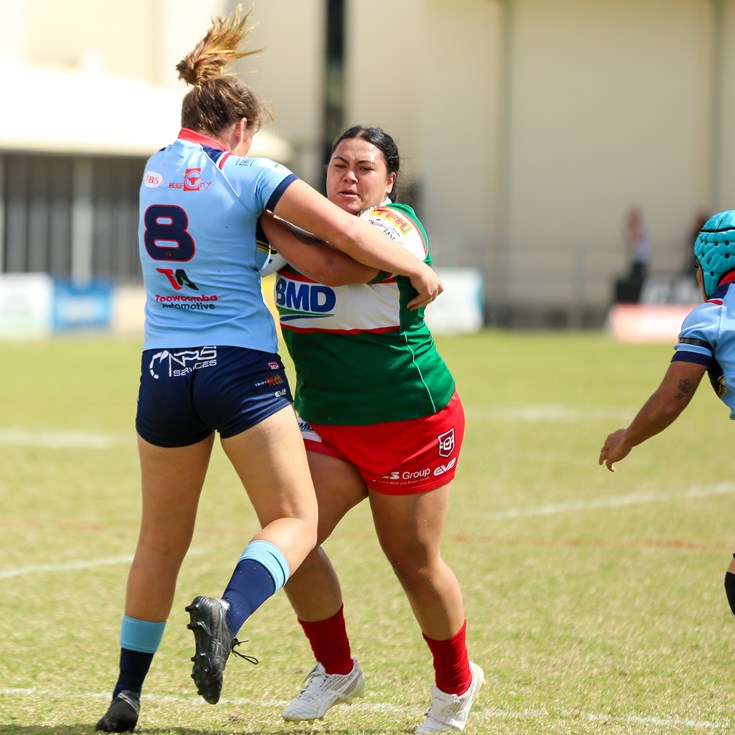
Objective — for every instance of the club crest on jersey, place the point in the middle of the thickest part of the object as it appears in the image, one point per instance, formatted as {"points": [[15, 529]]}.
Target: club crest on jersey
{"points": [[446, 443], [192, 179]]}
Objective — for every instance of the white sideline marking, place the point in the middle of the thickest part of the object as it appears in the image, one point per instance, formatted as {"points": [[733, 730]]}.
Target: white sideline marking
{"points": [[79, 564], [613, 501], [58, 439], [479, 713], [534, 413], [63, 566]]}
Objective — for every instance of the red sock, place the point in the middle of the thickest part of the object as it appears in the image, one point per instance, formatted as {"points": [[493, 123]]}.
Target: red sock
{"points": [[329, 642], [451, 663]]}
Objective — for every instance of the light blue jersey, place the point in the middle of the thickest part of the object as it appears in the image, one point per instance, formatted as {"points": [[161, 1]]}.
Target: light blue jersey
{"points": [[707, 337], [199, 207]]}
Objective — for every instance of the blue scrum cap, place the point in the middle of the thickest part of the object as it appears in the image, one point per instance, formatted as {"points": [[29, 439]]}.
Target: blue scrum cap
{"points": [[714, 248]]}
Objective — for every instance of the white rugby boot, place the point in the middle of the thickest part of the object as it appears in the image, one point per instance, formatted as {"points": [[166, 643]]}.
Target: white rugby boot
{"points": [[449, 712], [323, 691]]}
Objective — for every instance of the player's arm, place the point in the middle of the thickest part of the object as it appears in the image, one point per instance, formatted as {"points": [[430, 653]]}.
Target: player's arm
{"points": [[306, 208], [319, 261], [663, 407]]}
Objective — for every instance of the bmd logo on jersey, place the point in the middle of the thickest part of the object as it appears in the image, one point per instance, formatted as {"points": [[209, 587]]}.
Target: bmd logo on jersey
{"points": [[303, 300], [446, 443]]}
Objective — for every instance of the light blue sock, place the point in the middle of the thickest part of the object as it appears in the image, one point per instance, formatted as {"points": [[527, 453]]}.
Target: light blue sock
{"points": [[261, 571], [141, 635], [139, 640]]}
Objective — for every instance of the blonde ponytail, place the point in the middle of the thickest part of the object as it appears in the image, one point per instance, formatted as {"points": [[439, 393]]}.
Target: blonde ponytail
{"points": [[218, 98]]}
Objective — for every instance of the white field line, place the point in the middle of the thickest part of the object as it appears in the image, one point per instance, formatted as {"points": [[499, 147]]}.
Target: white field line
{"points": [[552, 412], [533, 413], [60, 439], [65, 566], [612, 501], [479, 714], [104, 561]]}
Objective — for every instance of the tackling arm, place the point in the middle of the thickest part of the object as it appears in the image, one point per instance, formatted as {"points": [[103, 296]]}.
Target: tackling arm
{"points": [[305, 207], [319, 261]]}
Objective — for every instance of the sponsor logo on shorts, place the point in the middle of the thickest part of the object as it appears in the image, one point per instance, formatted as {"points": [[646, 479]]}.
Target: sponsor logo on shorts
{"points": [[407, 477], [272, 380], [410, 477], [444, 468], [180, 363], [280, 393], [446, 443], [273, 365]]}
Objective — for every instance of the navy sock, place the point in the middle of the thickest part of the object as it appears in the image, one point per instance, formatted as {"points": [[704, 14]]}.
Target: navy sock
{"points": [[250, 586], [134, 666]]}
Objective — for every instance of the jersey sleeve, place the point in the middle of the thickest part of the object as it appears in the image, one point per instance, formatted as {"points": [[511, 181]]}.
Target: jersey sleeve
{"points": [[258, 182], [399, 227], [698, 335]]}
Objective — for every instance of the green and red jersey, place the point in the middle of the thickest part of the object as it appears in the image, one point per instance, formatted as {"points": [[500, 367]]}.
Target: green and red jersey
{"points": [[361, 356]]}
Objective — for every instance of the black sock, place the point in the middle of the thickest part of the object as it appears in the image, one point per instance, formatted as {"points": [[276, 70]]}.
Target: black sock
{"points": [[134, 666]]}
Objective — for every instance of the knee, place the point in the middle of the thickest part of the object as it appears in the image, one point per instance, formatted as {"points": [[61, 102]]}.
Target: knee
{"points": [[163, 546], [411, 566]]}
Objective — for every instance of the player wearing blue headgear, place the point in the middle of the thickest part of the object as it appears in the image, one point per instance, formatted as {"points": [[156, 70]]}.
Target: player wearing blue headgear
{"points": [[209, 364], [706, 345]]}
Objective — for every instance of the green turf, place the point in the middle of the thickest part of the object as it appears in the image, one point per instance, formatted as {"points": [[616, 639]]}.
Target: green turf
{"points": [[595, 601]]}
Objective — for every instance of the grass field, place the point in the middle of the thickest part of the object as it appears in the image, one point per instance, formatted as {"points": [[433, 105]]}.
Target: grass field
{"points": [[595, 601]]}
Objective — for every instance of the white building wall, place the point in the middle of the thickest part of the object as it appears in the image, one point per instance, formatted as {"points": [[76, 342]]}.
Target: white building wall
{"points": [[610, 105], [432, 79], [460, 129], [138, 39], [290, 74], [723, 144], [531, 126]]}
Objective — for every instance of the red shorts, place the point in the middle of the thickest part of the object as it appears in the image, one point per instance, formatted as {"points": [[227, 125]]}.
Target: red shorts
{"points": [[396, 457]]}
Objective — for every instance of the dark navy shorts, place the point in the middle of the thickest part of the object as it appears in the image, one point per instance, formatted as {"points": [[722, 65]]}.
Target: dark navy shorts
{"points": [[187, 393]]}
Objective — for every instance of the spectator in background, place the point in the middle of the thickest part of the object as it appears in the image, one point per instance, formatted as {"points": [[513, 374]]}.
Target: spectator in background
{"points": [[638, 250], [638, 245]]}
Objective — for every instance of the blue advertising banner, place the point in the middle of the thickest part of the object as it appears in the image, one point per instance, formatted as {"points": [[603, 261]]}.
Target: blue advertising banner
{"points": [[81, 306]]}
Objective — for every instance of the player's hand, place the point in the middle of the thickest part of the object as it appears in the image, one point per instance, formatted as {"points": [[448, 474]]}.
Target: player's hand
{"points": [[428, 285], [614, 449]]}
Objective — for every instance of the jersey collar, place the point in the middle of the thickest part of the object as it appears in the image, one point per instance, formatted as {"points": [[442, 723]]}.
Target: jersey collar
{"points": [[191, 136]]}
